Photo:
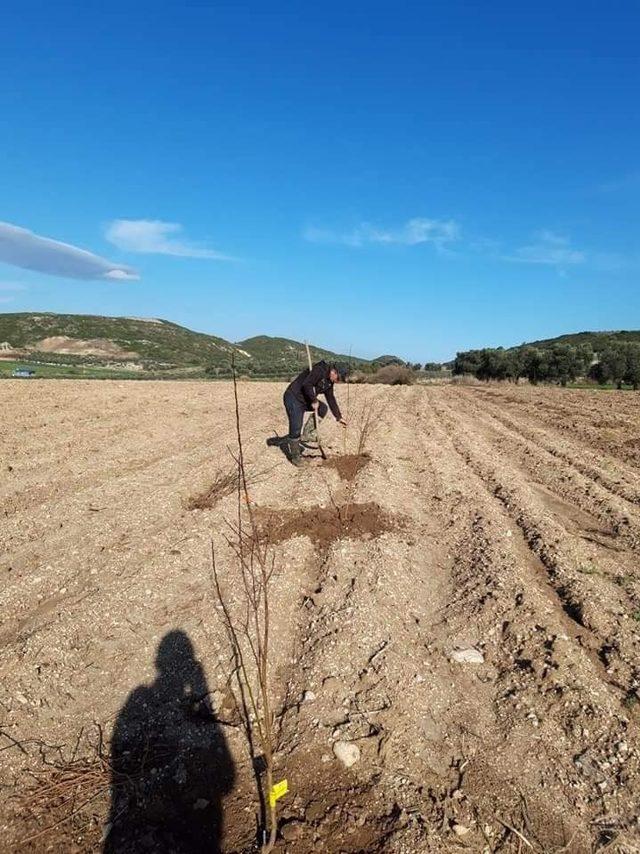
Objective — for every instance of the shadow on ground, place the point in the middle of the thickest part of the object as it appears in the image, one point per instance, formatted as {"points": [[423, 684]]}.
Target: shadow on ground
{"points": [[170, 762]]}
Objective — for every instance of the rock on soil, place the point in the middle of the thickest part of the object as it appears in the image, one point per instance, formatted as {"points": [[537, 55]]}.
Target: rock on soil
{"points": [[346, 752], [467, 656]]}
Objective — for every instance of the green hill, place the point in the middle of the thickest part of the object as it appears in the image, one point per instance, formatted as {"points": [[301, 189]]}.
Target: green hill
{"points": [[595, 340], [92, 338], [149, 346], [596, 356], [284, 354]]}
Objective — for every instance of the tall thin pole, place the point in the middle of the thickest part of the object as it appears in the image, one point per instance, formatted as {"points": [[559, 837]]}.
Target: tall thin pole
{"points": [[315, 413]]}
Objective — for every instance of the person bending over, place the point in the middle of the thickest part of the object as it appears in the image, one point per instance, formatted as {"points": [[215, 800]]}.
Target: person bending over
{"points": [[302, 396]]}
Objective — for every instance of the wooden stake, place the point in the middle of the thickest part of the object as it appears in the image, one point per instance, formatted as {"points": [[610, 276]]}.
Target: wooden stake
{"points": [[315, 413]]}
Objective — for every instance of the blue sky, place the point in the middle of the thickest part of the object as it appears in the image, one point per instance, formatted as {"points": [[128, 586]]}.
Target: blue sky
{"points": [[402, 178]]}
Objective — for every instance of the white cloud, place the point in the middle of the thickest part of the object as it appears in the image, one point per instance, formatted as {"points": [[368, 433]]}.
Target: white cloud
{"points": [[154, 237], [22, 248], [548, 248], [415, 231]]}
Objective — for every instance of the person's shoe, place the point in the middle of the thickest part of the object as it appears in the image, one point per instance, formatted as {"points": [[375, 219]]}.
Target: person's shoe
{"points": [[309, 434], [276, 441], [294, 452]]}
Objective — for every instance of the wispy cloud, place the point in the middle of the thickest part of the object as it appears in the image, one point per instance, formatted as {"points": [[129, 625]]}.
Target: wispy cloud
{"points": [[547, 248], [155, 237], [22, 248], [439, 233]]}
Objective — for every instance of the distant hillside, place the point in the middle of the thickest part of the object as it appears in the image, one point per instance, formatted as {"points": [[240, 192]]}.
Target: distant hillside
{"points": [[595, 340], [288, 355], [155, 343], [150, 345], [597, 356]]}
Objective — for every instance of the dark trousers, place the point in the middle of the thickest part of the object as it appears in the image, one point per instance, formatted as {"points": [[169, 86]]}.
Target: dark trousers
{"points": [[295, 412]]}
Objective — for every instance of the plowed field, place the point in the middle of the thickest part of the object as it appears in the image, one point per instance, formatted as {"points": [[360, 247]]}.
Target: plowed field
{"points": [[462, 604]]}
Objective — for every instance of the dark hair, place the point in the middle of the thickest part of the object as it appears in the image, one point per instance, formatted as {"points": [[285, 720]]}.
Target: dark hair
{"points": [[341, 370]]}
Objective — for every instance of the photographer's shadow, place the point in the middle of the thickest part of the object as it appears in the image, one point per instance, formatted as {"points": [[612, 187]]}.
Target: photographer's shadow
{"points": [[170, 763]]}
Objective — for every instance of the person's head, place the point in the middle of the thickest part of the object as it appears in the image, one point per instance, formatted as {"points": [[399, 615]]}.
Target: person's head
{"points": [[175, 652], [338, 373]]}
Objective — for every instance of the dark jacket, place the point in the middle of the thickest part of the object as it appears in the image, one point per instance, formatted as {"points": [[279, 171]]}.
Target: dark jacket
{"points": [[310, 383]]}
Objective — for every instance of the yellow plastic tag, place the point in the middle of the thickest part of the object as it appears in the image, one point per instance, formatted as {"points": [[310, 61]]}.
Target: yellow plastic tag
{"points": [[277, 791]]}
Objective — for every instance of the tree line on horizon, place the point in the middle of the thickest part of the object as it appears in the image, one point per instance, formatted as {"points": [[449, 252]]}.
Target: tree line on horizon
{"points": [[614, 363]]}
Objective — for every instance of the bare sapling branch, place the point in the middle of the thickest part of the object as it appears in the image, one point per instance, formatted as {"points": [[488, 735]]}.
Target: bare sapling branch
{"points": [[348, 409], [364, 427], [247, 624]]}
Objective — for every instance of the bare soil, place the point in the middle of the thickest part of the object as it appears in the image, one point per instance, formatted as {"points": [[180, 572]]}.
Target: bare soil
{"points": [[464, 607]]}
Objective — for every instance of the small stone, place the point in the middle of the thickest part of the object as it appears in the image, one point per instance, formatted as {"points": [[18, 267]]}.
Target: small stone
{"points": [[460, 829], [346, 752], [315, 811], [292, 830], [467, 656], [308, 697], [201, 804]]}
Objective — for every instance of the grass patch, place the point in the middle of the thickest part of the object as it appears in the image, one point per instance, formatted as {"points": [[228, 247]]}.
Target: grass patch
{"points": [[588, 569], [597, 387], [51, 371]]}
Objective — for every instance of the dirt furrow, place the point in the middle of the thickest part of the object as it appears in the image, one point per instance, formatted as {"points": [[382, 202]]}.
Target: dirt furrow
{"points": [[594, 505], [620, 479], [501, 591], [577, 567], [605, 422]]}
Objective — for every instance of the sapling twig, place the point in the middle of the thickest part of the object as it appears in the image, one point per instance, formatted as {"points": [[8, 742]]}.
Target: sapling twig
{"points": [[249, 632]]}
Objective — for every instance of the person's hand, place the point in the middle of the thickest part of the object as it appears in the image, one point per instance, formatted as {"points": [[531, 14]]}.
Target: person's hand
{"points": [[342, 422], [315, 405]]}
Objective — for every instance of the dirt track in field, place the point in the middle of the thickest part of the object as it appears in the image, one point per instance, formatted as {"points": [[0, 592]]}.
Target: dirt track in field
{"points": [[497, 519]]}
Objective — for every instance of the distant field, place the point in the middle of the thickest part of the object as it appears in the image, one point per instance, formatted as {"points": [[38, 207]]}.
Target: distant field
{"points": [[67, 371], [95, 372]]}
